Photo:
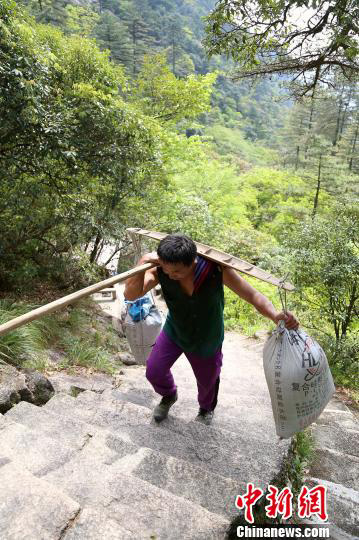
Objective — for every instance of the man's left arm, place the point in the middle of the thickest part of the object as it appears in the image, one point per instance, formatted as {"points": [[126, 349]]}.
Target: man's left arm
{"points": [[240, 286]]}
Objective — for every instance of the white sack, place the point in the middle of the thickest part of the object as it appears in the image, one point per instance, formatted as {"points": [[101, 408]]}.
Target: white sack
{"points": [[298, 377], [142, 335]]}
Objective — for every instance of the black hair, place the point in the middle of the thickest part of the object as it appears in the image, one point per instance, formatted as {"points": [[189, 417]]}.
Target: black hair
{"points": [[177, 248]]}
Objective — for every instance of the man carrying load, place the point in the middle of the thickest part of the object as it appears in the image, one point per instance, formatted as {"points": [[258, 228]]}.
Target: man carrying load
{"points": [[192, 287]]}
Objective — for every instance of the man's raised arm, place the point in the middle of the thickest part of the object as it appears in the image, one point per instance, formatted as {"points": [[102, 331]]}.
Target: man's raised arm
{"points": [[138, 285], [264, 306]]}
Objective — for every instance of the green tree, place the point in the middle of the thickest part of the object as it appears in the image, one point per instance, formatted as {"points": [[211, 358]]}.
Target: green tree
{"points": [[54, 91], [325, 264], [160, 94], [141, 38], [81, 20], [112, 34], [265, 38]]}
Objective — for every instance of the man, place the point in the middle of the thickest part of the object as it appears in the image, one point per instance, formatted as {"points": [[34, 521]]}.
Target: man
{"points": [[192, 287]]}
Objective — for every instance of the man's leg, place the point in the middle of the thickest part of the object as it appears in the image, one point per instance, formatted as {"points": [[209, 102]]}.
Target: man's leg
{"points": [[207, 371], [163, 355]]}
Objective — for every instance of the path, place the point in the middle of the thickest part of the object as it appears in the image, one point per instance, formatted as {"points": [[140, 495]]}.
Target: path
{"points": [[97, 466]]}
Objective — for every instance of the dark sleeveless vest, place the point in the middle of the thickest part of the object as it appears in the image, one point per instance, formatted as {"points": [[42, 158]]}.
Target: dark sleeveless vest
{"points": [[195, 323]]}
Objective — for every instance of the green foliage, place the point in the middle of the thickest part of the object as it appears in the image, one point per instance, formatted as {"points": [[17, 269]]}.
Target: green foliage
{"points": [[343, 358], [320, 141], [231, 142], [92, 140], [54, 91], [161, 95], [111, 33], [302, 457], [24, 344], [78, 352], [131, 29], [325, 260], [242, 316], [70, 331], [81, 20], [275, 200], [268, 37]]}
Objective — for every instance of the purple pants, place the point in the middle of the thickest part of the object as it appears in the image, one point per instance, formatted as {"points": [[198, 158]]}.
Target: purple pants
{"points": [[206, 370]]}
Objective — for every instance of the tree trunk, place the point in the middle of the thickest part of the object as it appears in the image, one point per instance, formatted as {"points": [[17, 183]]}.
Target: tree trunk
{"points": [[99, 250], [310, 125], [337, 127], [297, 159], [350, 310], [173, 57], [318, 187], [353, 146], [344, 116], [95, 248], [134, 44]]}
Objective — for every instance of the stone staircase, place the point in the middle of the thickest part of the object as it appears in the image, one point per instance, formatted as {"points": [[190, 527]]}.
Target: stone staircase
{"points": [[98, 467]]}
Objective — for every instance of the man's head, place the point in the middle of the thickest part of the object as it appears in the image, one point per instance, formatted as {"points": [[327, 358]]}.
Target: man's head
{"points": [[177, 254]]}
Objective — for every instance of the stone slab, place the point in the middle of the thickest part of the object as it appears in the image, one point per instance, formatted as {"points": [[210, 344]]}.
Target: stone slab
{"points": [[335, 437], [342, 505], [207, 489], [239, 419], [230, 455], [336, 467], [66, 430], [30, 508], [94, 524], [97, 382], [143, 507], [346, 420], [37, 452], [216, 494]]}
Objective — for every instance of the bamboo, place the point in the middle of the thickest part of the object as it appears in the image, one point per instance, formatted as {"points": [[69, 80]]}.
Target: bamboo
{"points": [[70, 298], [223, 258]]}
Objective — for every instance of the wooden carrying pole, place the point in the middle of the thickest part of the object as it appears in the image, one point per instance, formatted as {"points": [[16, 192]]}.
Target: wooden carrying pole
{"points": [[70, 298], [225, 259]]}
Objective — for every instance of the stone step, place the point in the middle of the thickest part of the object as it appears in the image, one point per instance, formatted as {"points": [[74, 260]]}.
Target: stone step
{"points": [[217, 450], [67, 431], [31, 508], [238, 419], [328, 418], [233, 412], [63, 431], [209, 490], [342, 507], [230, 394], [145, 396], [336, 437], [143, 509], [328, 465], [94, 524], [187, 410], [63, 382], [38, 452]]}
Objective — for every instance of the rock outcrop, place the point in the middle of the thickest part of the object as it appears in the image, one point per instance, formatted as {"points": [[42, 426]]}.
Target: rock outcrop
{"points": [[22, 385]]}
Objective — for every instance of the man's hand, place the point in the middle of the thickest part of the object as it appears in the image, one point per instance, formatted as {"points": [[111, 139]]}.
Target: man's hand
{"points": [[150, 258], [291, 323]]}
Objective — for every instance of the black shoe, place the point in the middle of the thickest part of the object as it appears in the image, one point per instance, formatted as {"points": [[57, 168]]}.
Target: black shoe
{"points": [[161, 410], [205, 417]]}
